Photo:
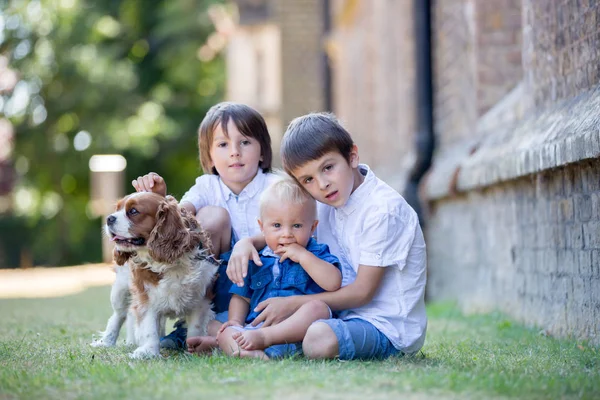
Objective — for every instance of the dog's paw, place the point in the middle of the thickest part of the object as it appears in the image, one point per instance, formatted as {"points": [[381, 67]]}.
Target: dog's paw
{"points": [[143, 353], [102, 343]]}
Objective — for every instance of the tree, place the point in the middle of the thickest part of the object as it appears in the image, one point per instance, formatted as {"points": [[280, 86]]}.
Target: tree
{"points": [[94, 77]]}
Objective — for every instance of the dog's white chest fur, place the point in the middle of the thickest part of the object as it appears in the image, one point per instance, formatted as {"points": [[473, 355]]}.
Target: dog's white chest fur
{"points": [[181, 286]]}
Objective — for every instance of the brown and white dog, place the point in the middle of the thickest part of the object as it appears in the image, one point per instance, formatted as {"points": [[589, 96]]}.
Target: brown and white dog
{"points": [[163, 266]]}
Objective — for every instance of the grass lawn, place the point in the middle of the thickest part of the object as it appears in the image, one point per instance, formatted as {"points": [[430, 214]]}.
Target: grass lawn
{"points": [[44, 354]]}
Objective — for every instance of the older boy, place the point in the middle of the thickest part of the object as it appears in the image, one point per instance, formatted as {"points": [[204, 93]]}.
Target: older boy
{"points": [[377, 237]]}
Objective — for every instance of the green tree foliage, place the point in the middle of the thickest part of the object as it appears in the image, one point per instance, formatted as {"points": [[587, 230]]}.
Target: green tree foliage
{"points": [[97, 77]]}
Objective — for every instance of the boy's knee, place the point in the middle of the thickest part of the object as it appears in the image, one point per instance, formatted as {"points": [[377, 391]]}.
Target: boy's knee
{"points": [[320, 342], [213, 218], [318, 309], [216, 223]]}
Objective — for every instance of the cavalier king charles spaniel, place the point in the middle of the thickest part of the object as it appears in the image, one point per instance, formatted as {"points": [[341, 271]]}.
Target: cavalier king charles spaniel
{"points": [[164, 269]]}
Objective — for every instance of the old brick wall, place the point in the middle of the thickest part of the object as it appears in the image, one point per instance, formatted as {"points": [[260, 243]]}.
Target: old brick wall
{"points": [[301, 23], [498, 50], [477, 61], [455, 70], [276, 61], [515, 225], [372, 49], [529, 248], [562, 48]]}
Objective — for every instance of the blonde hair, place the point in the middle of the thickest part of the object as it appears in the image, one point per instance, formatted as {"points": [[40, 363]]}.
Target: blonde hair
{"points": [[286, 190]]}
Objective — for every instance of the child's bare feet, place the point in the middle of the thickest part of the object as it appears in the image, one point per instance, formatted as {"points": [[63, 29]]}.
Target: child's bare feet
{"points": [[201, 344], [251, 340], [250, 354]]}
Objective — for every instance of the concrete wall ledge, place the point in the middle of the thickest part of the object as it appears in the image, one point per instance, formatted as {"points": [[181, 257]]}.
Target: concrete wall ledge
{"points": [[566, 133]]}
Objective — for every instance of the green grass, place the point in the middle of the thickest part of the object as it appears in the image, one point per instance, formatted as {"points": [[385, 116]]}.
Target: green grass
{"points": [[44, 353]]}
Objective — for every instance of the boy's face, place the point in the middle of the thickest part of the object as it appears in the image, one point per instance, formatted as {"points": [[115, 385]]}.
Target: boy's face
{"points": [[330, 179], [283, 224], [234, 156]]}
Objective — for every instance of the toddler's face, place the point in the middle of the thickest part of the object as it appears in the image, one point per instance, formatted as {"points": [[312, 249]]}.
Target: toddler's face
{"points": [[235, 157], [329, 179], [283, 224]]}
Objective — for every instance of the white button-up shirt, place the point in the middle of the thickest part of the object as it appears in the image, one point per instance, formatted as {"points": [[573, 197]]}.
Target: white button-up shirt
{"points": [[376, 227], [209, 190]]}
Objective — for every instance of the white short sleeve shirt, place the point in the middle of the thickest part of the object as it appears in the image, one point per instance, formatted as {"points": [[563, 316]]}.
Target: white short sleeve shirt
{"points": [[209, 190], [377, 227]]}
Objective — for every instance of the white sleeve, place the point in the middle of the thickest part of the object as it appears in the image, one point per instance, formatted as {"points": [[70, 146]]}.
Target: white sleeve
{"points": [[198, 194], [387, 238]]}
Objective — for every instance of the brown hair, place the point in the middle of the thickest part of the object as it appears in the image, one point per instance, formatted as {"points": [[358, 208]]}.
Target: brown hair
{"points": [[246, 119], [310, 137]]}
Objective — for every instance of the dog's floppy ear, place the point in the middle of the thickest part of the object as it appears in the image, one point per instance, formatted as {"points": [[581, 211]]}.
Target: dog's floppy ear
{"points": [[170, 238], [120, 257]]}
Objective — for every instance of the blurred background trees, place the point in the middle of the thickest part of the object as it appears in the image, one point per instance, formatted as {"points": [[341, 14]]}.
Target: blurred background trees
{"points": [[84, 77]]}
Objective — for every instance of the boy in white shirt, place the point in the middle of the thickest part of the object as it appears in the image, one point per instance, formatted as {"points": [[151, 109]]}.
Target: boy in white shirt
{"points": [[377, 237], [235, 154]]}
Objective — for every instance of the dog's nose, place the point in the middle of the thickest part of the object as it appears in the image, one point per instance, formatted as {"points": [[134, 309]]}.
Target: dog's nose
{"points": [[110, 220]]}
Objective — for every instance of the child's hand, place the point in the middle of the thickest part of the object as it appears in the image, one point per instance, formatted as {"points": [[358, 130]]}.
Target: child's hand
{"points": [[292, 251], [228, 324], [151, 182], [237, 268], [275, 309]]}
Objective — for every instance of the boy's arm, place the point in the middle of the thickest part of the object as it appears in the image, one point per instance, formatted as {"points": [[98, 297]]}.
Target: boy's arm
{"points": [[244, 250], [325, 274], [355, 294]]}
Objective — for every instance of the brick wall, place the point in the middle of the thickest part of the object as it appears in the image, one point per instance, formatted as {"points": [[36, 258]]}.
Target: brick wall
{"points": [[562, 48], [498, 36], [477, 61], [301, 24], [519, 231], [374, 81], [529, 247], [455, 76]]}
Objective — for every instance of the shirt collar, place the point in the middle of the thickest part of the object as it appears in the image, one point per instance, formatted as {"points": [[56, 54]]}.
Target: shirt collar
{"points": [[250, 190], [362, 192], [267, 252]]}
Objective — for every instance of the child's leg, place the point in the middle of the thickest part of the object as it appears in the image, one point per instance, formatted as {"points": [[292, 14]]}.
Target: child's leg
{"points": [[291, 330], [320, 342], [230, 347], [349, 340], [216, 223]]}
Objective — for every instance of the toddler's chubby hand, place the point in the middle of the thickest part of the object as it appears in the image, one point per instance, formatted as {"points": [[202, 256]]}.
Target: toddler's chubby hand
{"points": [[237, 268], [151, 182], [292, 251]]}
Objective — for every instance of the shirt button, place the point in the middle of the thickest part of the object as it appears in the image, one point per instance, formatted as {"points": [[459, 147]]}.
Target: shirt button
{"points": [[259, 284], [377, 256]]}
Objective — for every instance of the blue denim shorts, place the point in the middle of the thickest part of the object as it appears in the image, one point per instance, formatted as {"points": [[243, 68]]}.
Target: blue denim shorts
{"points": [[277, 351], [360, 340]]}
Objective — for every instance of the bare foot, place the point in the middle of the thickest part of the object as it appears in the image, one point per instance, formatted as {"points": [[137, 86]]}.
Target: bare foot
{"points": [[201, 344], [251, 340], [251, 354]]}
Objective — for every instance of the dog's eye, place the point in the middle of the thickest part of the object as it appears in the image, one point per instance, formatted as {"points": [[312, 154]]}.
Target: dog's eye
{"points": [[133, 211]]}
